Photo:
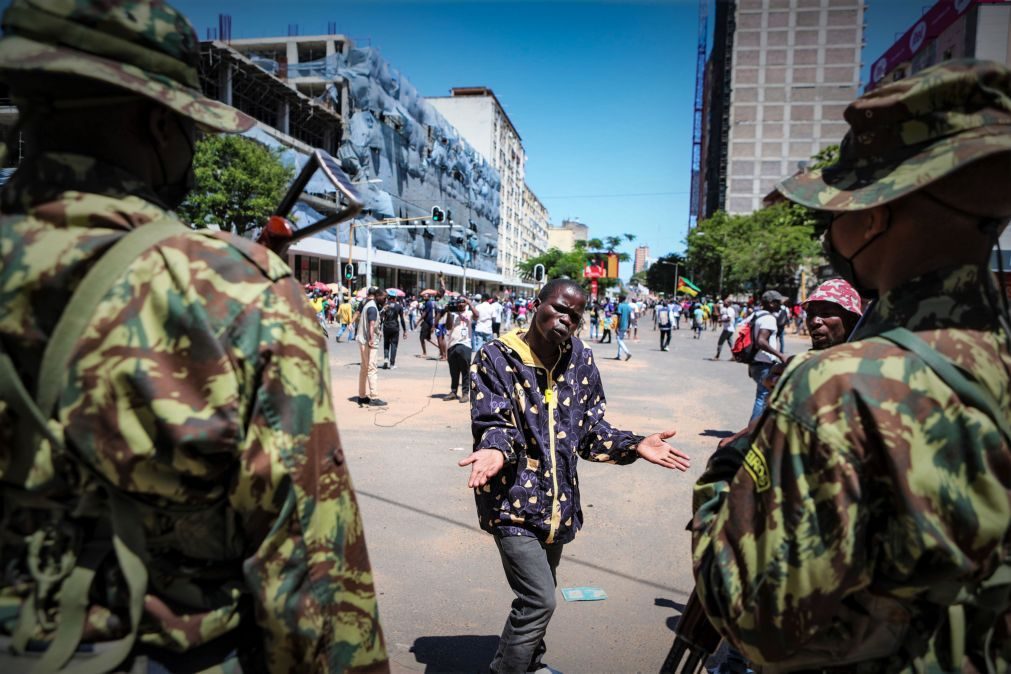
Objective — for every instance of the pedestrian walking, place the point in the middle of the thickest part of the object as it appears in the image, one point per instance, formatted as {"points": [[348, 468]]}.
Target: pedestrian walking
{"points": [[698, 321], [412, 312], [675, 309], [484, 321], [392, 317], [782, 320], [595, 321], [344, 315], [887, 458], [624, 316], [607, 324], [526, 444], [496, 318], [369, 334], [764, 326], [727, 321], [162, 479], [664, 323], [428, 315]]}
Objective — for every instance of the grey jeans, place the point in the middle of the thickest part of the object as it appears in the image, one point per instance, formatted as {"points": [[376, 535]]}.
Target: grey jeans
{"points": [[530, 569]]}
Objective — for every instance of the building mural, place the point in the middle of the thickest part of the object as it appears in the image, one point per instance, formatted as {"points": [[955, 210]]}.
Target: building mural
{"points": [[406, 158]]}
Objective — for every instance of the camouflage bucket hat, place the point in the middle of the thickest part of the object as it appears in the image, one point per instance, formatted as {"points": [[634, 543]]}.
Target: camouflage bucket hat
{"points": [[143, 46], [911, 133]]}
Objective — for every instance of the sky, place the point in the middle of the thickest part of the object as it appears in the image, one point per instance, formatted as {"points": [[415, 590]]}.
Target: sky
{"points": [[602, 93]]}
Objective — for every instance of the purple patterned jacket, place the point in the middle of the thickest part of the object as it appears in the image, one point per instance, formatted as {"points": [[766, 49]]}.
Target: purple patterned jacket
{"points": [[540, 419]]}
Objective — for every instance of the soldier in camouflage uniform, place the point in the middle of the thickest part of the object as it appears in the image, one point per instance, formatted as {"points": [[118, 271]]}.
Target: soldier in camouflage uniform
{"points": [[189, 507], [863, 526]]}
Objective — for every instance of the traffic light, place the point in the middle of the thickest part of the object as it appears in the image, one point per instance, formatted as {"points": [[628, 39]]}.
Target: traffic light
{"points": [[349, 271], [437, 214]]}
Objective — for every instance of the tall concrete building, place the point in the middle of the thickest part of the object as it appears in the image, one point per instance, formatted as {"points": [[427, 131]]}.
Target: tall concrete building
{"points": [[778, 78], [564, 236], [642, 258], [949, 29], [479, 117]]}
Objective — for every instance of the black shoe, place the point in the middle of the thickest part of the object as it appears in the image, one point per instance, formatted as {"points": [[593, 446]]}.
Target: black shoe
{"points": [[465, 398], [376, 402], [628, 356], [363, 401], [451, 396]]}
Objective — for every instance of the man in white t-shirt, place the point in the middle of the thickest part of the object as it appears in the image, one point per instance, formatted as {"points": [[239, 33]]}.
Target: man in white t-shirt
{"points": [[484, 316], [727, 318], [496, 318], [763, 328]]}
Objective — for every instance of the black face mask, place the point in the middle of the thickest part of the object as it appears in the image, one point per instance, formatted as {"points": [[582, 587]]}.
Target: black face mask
{"points": [[844, 265], [174, 194]]}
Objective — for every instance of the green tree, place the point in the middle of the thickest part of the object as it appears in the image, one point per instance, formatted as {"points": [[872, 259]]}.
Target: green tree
{"points": [[239, 182], [747, 253], [557, 264]]}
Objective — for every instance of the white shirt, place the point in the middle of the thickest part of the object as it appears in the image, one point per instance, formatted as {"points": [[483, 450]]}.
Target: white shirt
{"points": [[765, 321], [727, 316], [460, 334], [485, 313], [497, 316]]}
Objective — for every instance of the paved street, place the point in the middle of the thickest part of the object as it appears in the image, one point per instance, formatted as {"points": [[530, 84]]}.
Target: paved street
{"points": [[443, 597]]}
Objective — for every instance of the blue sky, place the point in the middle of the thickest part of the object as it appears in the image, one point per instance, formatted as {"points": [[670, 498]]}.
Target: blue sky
{"points": [[601, 92]]}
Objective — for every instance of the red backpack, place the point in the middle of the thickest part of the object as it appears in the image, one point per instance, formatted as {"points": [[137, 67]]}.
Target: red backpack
{"points": [[745, 345]]}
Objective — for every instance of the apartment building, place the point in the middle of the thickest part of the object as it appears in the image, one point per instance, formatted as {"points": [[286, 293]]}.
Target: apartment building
{"points": [[480, 118], [778, 78]]}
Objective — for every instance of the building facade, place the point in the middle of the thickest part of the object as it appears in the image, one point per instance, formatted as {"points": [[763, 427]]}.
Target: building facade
{"points": [[479, 117], [405, 158], [778, 78], [642, 259], [950, 29], [536, 221], [564, 236]]}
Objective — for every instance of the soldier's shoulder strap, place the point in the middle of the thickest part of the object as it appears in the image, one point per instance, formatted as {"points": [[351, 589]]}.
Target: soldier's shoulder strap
{"points": [[970, 392]]}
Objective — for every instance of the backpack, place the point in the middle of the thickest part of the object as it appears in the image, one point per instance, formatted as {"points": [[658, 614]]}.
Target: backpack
{"points": [[745, 345], [663, 317]]}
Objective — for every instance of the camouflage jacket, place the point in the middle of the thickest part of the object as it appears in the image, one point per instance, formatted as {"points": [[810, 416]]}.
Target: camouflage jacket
{"points": [[202, 381], [870, 496], [542, 420]]}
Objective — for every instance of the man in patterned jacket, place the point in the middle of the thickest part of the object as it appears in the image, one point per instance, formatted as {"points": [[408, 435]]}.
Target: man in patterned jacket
{"points": [[864, 524], [189, 505], [536, 403]]}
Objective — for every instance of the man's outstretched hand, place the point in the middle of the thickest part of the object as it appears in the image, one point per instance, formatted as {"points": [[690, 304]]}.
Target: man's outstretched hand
{"points": [[655, 450], [484, 465]]}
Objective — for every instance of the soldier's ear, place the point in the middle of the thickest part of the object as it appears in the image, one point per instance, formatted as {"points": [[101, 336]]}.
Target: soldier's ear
{"points": [[877, 221]]}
